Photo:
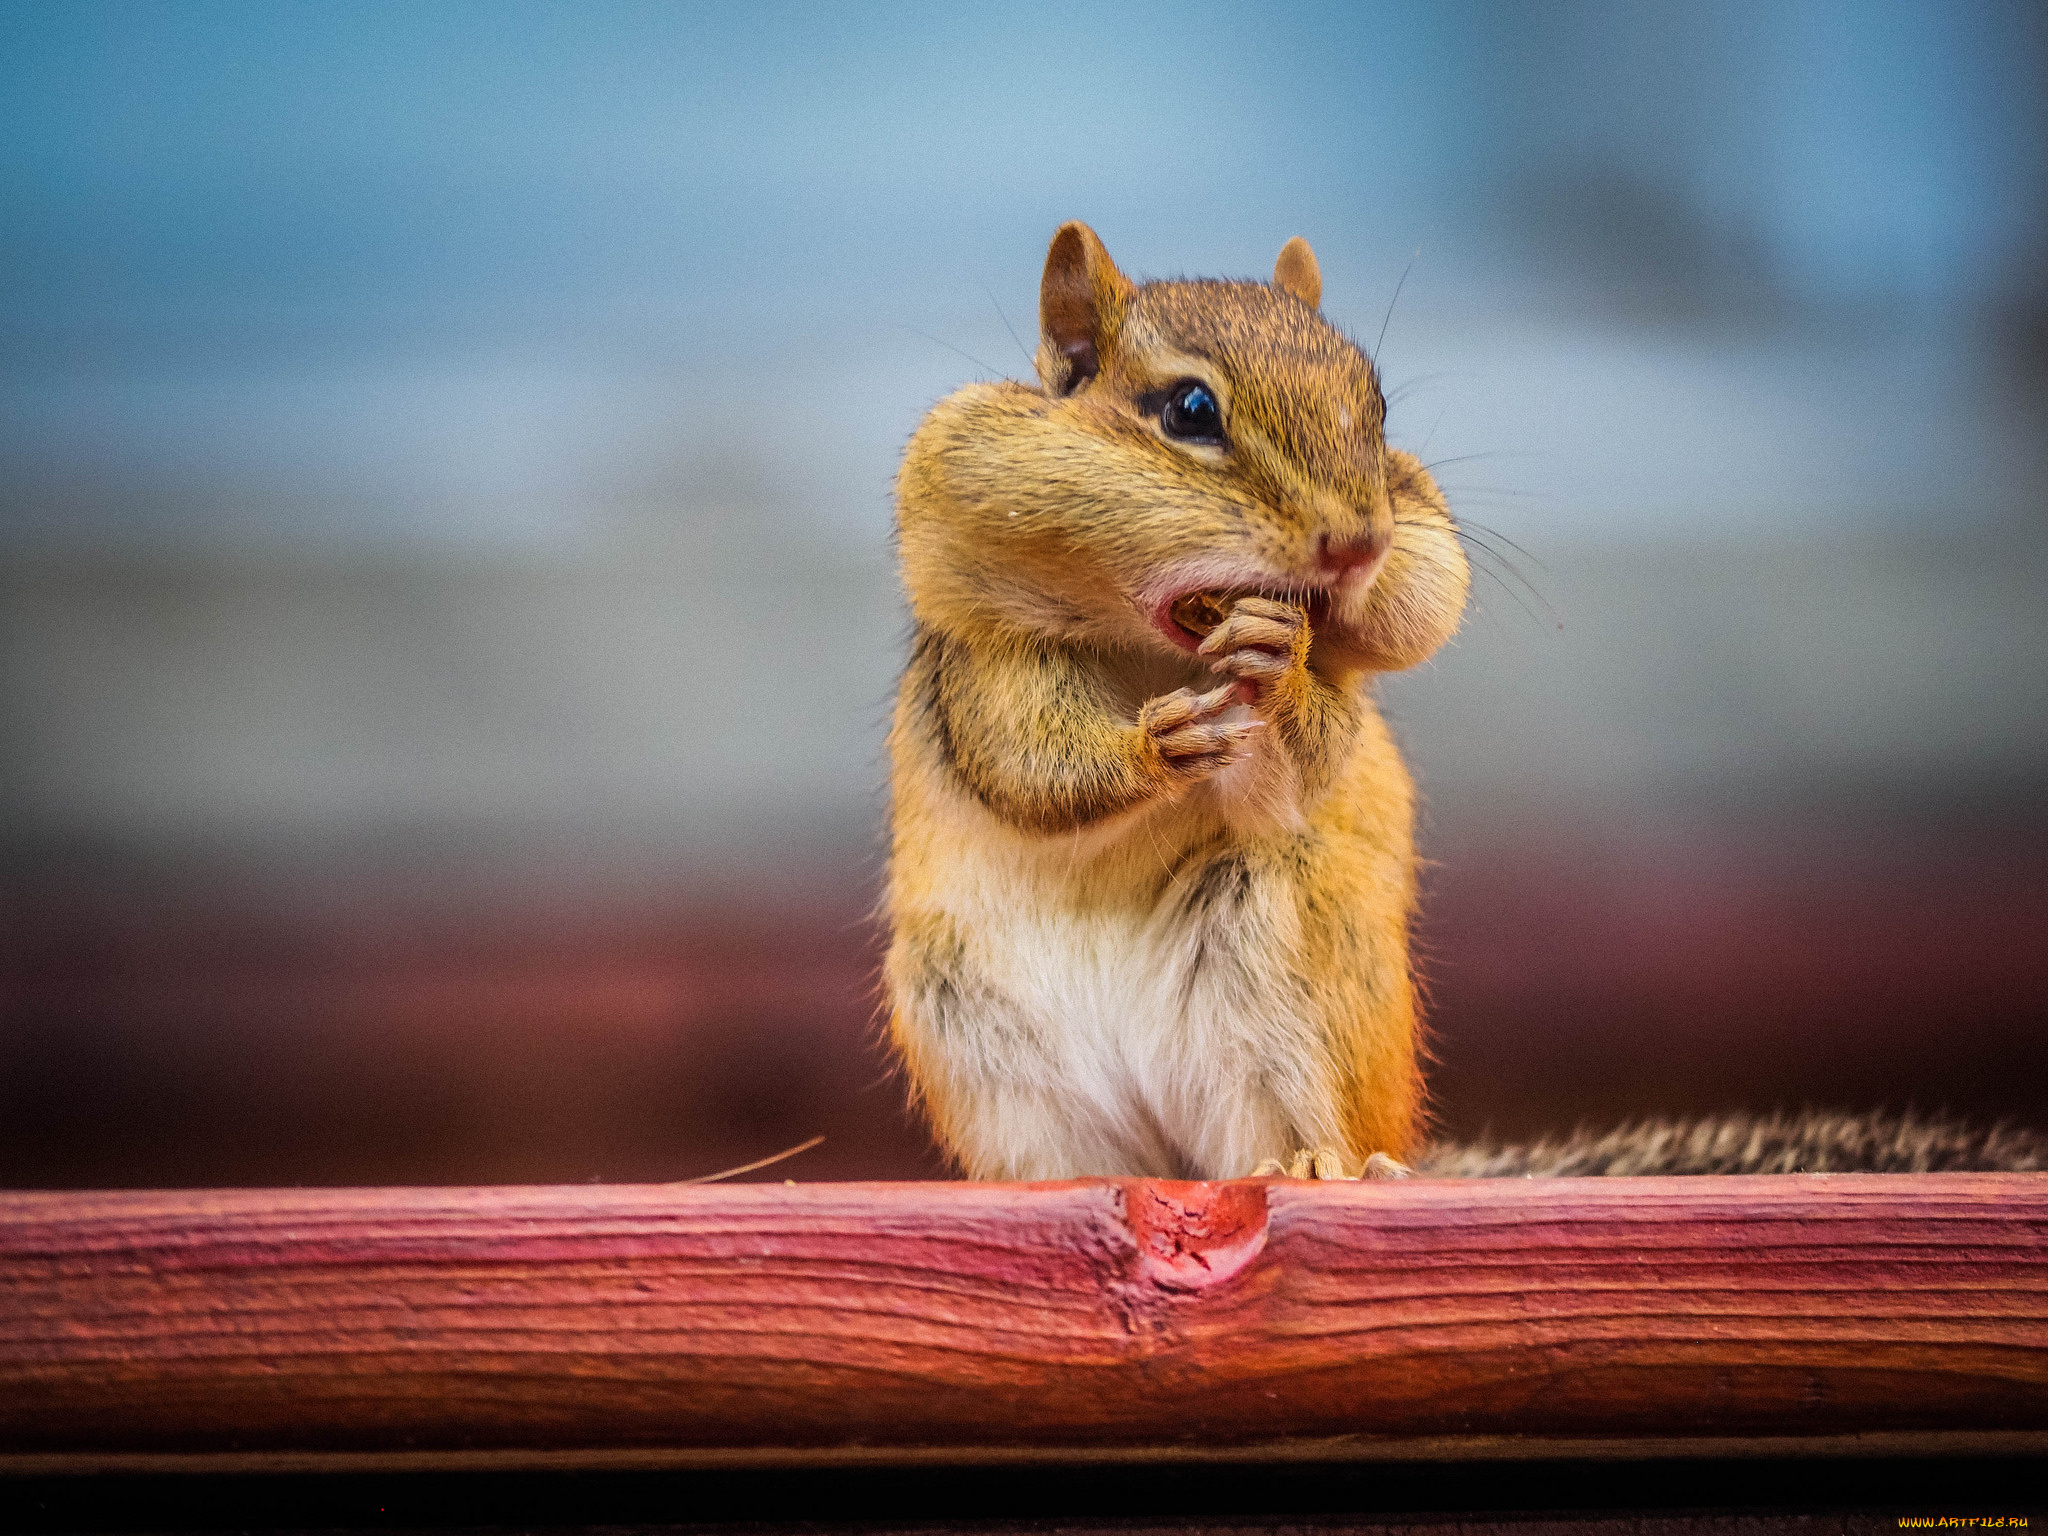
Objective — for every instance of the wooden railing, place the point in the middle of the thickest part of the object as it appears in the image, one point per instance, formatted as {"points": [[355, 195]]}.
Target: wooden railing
{"points": [[1124, 1319]]}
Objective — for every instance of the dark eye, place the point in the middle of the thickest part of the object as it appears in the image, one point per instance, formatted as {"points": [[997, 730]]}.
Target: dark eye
{"points": [[1192, 414]]}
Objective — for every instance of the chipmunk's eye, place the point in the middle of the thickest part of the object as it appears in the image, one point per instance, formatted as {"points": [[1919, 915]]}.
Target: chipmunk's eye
{"points": [[1192, 414]]}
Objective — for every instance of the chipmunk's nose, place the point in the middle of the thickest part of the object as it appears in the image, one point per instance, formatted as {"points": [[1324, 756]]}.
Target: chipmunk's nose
{"points": [[1339, 556]]}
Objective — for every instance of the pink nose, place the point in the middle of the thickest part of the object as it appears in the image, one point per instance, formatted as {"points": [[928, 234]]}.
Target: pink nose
{"points": [[1339, 558]]}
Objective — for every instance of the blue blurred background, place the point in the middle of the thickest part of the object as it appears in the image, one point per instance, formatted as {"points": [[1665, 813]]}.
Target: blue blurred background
{"points": [[446, 612]]}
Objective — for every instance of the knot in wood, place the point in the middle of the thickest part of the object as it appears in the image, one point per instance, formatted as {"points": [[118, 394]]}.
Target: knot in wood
{"points": [[1192, 1237]]}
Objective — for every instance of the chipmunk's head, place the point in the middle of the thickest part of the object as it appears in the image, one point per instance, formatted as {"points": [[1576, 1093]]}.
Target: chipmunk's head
{"points": [[1191, 442]]}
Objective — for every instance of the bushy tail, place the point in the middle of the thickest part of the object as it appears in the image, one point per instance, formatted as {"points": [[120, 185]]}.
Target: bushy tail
{"points": [[1811, 1141]]}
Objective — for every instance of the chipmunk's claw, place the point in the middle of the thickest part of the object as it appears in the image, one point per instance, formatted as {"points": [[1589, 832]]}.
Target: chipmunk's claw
{"points": [[1261, 644], [1190, 732], [1323, 1163]]}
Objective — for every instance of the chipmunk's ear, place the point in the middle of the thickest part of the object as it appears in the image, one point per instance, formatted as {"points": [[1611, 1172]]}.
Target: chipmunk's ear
{"points": [[1081, 304], [1296, 272]]}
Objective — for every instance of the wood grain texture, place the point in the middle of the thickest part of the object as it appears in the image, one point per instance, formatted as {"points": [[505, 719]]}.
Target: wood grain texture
{"points": [[1101, 1317]]}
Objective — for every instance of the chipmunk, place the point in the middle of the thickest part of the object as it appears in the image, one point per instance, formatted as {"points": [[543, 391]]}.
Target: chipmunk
{"points": [[1152, 864]]}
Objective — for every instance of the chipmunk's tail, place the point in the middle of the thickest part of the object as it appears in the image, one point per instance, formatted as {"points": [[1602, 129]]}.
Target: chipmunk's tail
{"points": [[1811, 1141]]}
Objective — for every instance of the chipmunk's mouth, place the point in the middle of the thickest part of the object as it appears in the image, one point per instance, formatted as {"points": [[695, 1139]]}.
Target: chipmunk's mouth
{"points": [[1187, 616]]}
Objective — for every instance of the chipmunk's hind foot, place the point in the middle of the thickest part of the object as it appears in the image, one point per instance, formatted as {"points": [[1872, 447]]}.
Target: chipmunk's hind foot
{"points": [[1322, 1163]]}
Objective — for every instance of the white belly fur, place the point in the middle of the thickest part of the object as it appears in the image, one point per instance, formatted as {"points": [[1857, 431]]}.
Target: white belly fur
{"points": [[1121, 1037]]}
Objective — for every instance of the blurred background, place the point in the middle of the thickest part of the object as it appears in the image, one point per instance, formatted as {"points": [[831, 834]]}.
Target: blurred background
{"points": [[447, 618]]}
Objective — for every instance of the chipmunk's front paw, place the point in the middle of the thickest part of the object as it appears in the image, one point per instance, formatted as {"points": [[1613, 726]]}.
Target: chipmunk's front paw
{"points": [[1190, 733], [1322, 1163], [1262, 644]]}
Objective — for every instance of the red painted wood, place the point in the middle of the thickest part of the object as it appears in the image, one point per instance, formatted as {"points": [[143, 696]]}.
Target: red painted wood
{"points": [[1117, 1315]]}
